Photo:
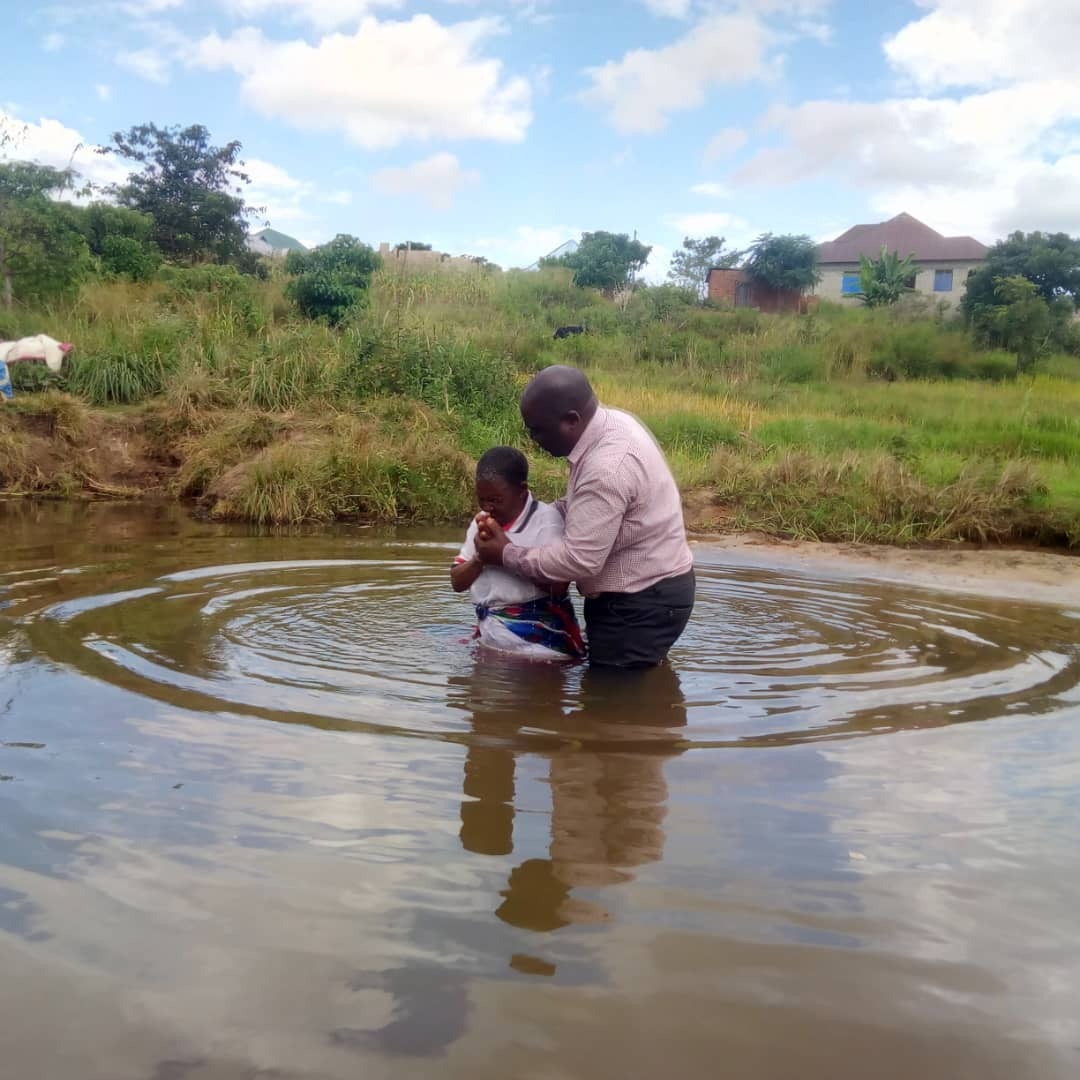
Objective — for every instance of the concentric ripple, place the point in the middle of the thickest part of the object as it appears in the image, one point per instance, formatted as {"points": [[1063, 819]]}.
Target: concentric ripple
{"points": [[380, 642]]}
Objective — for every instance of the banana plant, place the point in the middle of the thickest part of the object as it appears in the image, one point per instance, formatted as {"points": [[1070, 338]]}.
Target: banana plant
{"points": [[886, 279]]}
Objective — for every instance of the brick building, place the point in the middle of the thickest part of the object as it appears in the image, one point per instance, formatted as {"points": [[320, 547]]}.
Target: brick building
{"points": [[735, 288]]}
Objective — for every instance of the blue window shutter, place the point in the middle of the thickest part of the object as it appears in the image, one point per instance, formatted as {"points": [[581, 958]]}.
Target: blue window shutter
{"points": [[850, 286], [943, 280]]}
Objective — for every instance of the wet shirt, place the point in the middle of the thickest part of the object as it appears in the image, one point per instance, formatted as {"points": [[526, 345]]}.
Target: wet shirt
{"points": [[624, 521], [538, 524]]}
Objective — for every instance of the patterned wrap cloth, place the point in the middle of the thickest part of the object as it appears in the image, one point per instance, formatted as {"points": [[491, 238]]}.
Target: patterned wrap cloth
{"points": [[545, 621]]}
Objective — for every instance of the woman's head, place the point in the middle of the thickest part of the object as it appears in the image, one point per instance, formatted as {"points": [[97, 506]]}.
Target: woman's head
{"points": [[502, 483]]}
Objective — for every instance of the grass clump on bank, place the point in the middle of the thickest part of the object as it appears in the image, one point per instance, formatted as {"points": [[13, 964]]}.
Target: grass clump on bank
{"points": [[846, 424]]}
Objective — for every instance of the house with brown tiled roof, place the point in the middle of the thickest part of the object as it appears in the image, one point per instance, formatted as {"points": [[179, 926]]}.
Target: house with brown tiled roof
{"points": [[942, 263]]}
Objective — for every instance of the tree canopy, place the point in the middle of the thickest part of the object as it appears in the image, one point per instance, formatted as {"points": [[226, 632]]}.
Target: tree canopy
{"points": [[604, 260], [190, 189], [783, 262], [885, 279], [120, 240], [690, 265], [328, 280], [43, 253], [1050, 261], [1020, 320]]}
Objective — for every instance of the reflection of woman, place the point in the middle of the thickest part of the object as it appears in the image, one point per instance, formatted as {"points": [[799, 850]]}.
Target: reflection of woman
{"points": [[501, 695], [607, 787]]}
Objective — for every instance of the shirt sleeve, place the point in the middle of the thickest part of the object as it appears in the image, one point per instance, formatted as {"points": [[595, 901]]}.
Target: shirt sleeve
{"points": [[593, 520], [468, 548]]}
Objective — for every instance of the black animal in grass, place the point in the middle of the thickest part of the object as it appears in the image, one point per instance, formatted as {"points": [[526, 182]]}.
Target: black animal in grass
{"points": [[568, 331]]}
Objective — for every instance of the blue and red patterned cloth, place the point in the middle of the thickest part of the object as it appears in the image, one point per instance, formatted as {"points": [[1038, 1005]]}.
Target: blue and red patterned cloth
{"points": [[547, 621]]}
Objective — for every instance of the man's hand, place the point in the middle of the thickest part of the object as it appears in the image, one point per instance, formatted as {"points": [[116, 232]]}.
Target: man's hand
{"points": [[490, 540]]}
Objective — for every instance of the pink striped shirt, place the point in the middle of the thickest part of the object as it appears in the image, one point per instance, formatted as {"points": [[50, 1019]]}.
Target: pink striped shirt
{"points": [[624, 521]]}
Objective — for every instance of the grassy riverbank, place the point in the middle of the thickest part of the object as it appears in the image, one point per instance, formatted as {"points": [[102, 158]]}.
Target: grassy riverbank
{"points": [[843, 425]]}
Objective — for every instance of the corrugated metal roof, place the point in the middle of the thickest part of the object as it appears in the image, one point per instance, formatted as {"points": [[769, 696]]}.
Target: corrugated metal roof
{"points": [[906, 236]]}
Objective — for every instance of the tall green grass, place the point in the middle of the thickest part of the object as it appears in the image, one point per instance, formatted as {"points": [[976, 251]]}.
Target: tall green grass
{"points": [[886, 425]]}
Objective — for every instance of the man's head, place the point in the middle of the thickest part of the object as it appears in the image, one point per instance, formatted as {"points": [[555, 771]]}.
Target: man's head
{"points": [[556, 407], [502, 483]]}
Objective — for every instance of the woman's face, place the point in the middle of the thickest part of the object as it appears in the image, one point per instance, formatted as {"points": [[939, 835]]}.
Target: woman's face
{"points": [[503, 501]]}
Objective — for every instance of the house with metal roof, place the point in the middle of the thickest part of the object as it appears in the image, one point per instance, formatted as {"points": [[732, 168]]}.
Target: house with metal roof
{"points": [[942, 263], [273, 243]]}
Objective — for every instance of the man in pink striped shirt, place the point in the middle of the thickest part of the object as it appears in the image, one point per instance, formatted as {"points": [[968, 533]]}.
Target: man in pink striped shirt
{"points": [[625, 541]]}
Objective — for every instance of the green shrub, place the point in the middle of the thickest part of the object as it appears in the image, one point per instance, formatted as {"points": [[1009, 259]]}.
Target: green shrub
{"points": [[330, 280]]}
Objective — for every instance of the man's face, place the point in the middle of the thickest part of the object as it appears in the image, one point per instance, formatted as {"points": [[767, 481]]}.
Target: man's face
{"points": [[556, 434]]}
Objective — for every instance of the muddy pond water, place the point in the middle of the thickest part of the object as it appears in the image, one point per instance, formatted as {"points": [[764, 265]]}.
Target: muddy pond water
{"points": [[265, 813]]}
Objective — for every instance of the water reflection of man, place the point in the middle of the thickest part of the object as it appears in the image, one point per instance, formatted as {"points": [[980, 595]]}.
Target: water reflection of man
{"points": [[608, 793]]}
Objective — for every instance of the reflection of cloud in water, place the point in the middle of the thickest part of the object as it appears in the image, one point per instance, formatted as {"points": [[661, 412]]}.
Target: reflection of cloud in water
{"points": [[968, 859]]}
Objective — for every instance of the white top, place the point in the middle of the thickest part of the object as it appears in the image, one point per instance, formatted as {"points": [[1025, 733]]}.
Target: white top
{"points": [[538, 524]]}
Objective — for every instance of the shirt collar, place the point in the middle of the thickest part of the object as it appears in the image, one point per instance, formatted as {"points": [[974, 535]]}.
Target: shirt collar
{"points": [[522, 517], [590, 436]]}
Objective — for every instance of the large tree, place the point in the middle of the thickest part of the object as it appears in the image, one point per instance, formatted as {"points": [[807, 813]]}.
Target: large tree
{"points": [[605, 260], [783, 262], [329, 280], [190, 188], [690, 265], [887, 278], [43, 253], [1050, 261]]}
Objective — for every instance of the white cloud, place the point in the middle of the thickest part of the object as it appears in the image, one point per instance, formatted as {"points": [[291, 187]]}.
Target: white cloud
{"points": [[266, 175], [103, 91], [640, 91], [655, 270], [962, 165], [724, 144], [673, 9], [530, 11], [982, 43], [286, 201], [148, 63], [52, 42], [712, 190], [709, 223], [144, 9], [322, 14], [1045, 196], [49, 142], [526, 244], [386, 83], [436, 180]]}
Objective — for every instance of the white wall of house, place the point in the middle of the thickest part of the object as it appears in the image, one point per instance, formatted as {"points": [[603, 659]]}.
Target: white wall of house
{"points": [[928, 280]]}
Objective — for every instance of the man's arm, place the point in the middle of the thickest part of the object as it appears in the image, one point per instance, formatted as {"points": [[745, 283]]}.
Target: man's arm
{"points": [[593, 522]]}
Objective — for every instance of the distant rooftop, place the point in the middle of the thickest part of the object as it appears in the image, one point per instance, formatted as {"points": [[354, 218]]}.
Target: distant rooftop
{"points": [[563, 249], [270, 241], [906, 236]]}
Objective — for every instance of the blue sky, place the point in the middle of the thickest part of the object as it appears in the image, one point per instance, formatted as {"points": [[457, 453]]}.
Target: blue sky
{"points": [[503, 127]]}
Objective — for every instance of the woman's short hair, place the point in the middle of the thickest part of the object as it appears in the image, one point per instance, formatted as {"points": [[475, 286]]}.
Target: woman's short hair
{"points": [[505, 463]]}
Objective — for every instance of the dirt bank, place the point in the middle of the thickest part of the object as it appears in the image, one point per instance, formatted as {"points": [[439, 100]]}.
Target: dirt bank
{"points": [[1007, 573], [52, 446]]}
